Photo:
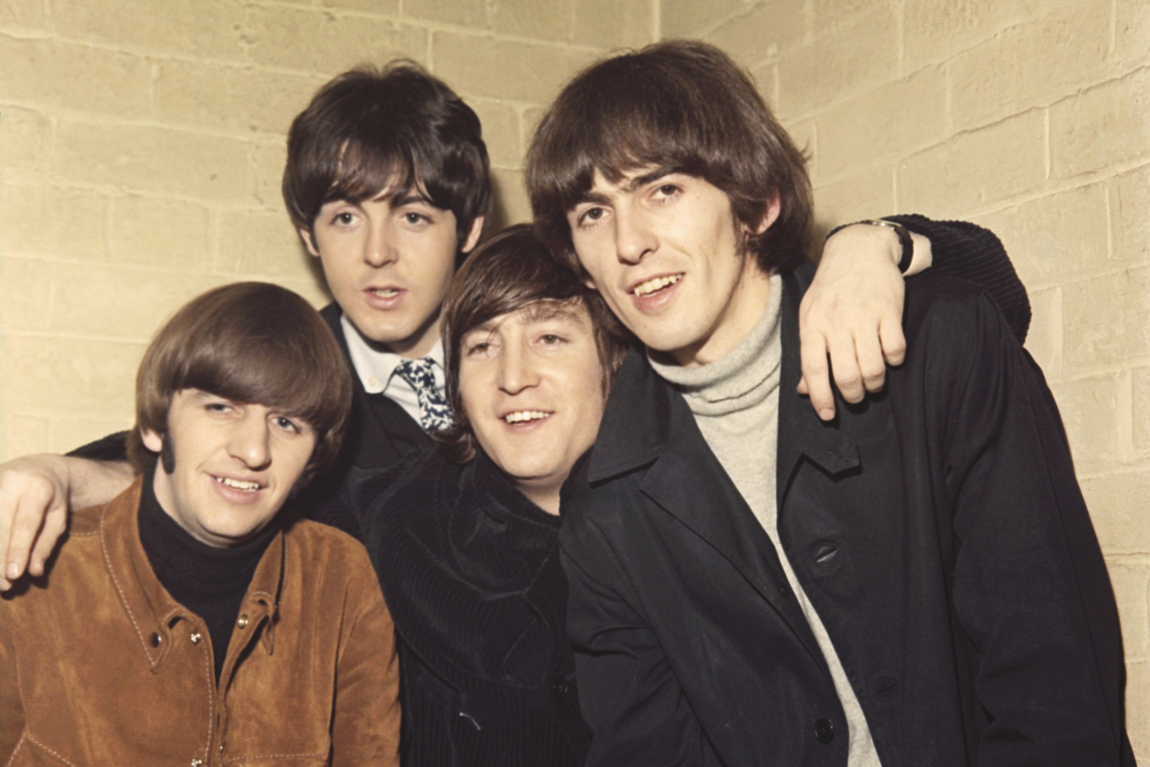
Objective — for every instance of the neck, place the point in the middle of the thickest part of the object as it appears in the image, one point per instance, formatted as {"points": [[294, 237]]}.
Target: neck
{"points": [[738, 318]]}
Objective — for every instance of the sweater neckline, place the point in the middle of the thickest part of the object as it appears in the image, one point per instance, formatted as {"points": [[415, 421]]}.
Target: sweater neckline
{"points": [[741, 378]]}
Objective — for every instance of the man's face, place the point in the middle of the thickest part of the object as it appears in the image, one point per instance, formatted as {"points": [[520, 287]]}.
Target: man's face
{"points": [[235, 464], [388, 262], [532, 386], [666, 253]]}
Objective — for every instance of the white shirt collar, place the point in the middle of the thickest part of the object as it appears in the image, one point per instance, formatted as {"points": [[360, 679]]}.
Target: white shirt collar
{"points": [[376, 369]]}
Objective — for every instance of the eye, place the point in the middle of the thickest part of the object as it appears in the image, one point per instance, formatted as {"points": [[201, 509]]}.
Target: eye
{"points": [[591, 215], [478, 348], [550, 339], [663, 191], [283, 423], [218, 407]]}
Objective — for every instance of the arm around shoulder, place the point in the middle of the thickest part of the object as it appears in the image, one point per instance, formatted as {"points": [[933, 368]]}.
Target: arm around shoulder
{"points": [[36, 493], [1030, 586]]}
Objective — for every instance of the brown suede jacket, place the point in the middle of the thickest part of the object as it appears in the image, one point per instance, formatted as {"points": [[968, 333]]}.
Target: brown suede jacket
{"points": [[100, 666]]}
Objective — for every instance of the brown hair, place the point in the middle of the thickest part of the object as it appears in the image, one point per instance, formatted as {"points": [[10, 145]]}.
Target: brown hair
{"points": [[248, 342], [370, 129], [510, 271], [679, 106]]}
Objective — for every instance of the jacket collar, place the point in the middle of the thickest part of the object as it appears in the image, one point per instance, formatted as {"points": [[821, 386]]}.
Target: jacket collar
{"points": [[150, 610], [637, 421]]}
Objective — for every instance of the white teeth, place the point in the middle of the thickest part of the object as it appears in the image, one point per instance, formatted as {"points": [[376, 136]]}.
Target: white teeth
{"points": [[520, 416], [658, 283], [385, 292], [239, 484]]}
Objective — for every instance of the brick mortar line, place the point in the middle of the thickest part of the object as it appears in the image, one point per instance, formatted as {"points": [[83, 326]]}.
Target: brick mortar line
{"points": [[258, 138], [413, 20], [159, 55], [853, 95]]}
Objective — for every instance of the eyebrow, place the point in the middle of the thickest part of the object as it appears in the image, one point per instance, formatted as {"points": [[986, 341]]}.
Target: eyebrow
{"points": [[410, 198], [598, 198], [399, 198], [538, 311], [551, 309], [648, 177]]}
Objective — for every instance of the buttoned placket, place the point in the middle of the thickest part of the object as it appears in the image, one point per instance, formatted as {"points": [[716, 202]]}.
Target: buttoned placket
{"points": [[256, 619]]}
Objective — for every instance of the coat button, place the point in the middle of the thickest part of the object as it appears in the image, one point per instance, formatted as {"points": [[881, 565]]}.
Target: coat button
{"points": [[195, 637], [559, 688], [824, 731], [197, 763], [155, 639], [242, 622]]}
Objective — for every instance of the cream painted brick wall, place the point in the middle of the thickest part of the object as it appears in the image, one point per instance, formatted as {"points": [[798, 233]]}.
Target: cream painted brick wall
{"points": [[142, 147], [1029, 117]]}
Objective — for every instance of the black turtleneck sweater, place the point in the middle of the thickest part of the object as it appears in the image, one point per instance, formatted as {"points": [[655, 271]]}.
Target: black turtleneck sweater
{"points": [[209, 581]]}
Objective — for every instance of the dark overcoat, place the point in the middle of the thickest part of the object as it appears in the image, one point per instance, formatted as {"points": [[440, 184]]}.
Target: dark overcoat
{"points": [[937, 529]]}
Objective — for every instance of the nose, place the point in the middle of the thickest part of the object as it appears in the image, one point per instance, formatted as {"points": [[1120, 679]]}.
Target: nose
{"points": [[378, 250], [516, 369], [249, 442], [634, 238]]}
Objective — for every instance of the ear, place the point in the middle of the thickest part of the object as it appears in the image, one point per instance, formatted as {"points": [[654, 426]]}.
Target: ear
{"points": [[590, 282], [308, 240], [152, 440], [473, 235], [770, 215]]}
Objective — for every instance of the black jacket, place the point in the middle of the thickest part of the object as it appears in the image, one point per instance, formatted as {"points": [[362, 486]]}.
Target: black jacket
{"points": [[937, 529], [379, 434], [470, 572]]}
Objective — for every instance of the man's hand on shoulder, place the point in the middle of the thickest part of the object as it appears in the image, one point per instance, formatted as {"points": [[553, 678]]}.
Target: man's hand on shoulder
{"points": [[852, 313], [33, 510], [35, 494]]}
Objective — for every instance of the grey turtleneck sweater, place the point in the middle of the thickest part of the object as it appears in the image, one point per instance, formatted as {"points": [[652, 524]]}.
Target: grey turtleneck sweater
{"points": [[736, 405]]}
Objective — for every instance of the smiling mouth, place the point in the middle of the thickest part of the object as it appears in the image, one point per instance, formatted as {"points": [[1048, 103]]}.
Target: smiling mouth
{"points": [[384, 292], [655, 284], [239, 484], [525, 416]]}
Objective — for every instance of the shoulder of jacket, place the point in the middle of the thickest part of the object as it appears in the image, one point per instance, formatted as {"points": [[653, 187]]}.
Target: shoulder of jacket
{"points": [[317, 542]]}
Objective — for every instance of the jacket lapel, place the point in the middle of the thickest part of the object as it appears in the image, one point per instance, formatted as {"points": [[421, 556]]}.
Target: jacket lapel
{"points": [[647, 423]]}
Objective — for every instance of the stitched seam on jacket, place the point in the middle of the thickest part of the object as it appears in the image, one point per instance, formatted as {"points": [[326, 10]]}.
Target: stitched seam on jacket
{"points": [[120, 591], [276, 756], [16, 751], [50, 751]]}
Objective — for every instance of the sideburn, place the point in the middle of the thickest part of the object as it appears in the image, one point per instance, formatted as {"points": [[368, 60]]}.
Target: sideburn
{"points": [[167, 455]]}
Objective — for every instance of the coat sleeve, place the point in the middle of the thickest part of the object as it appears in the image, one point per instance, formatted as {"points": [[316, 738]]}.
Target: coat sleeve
{"points": [[1030, 587], [962, 249], [629, 694], [365, 719]]}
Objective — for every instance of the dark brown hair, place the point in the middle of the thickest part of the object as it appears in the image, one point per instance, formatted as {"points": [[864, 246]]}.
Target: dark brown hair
{"points": [[508, 272], [678, 106], [248, 342], [400, 127]]}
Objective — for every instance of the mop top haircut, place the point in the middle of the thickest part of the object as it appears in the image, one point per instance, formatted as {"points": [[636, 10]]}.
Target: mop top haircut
{"points": [[397, 128], [509, 272], [680, 107], [249, 342]]}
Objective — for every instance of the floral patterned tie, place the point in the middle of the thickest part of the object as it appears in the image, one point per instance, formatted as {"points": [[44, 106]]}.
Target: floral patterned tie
{"points": [[434, 413]]}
